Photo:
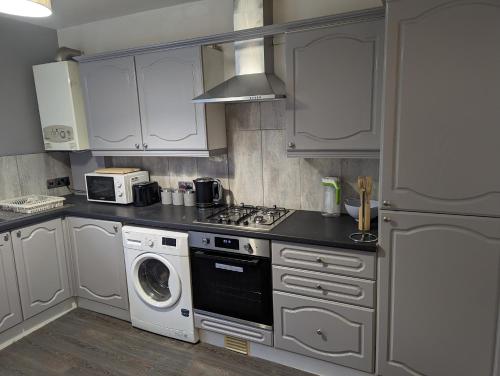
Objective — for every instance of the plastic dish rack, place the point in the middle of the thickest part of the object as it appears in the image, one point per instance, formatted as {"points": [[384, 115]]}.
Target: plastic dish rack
{"points": [[32, 204]]}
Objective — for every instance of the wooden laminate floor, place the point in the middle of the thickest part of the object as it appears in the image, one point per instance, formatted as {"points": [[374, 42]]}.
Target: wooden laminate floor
{"points": [[87, 343]]}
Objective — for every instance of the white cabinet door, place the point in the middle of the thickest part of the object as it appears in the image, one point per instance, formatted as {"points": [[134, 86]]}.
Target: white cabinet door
{"points": [[99, 261], [439, 292], [10, 305], [442, 112], [41, 266], [334, 81], [167, 82], [110, 92]]}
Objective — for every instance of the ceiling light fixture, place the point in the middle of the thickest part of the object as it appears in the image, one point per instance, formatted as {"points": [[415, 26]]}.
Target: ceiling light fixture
{"points": [[26, 8]]}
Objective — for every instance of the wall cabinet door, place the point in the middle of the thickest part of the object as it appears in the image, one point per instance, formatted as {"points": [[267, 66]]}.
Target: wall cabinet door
{"points": [[167, 83], [110, 92], [334, 332], [41, 266], [334, 81], [99, 261], [442, 116], [439, 292], [10, 305]]}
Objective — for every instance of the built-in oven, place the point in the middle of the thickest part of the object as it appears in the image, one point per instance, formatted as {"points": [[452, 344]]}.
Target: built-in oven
{"points": [[231, 278]]}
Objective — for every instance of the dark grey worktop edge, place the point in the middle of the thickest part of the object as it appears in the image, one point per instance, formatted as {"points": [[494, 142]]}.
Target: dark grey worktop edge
{"points": [[73, 211]]}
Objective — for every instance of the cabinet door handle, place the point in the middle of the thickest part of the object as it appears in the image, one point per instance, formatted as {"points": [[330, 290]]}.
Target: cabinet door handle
{"points": [[18, 234], [6, 237], [137, 146], [319, 287], [386, 219], [291, 145], [319, 332], [116, 228], [320, 260], [145, 146], [387, 204]]}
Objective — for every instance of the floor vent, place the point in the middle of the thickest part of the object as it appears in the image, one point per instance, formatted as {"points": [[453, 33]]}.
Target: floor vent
{"points": [[236, 344]]}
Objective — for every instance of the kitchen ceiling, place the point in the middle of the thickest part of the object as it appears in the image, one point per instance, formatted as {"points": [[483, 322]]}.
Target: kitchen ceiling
{"points": [[76, 12]]}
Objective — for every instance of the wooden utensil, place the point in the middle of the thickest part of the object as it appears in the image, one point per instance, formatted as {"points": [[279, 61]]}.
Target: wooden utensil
{"points": [[361, 211], [367, 205]]}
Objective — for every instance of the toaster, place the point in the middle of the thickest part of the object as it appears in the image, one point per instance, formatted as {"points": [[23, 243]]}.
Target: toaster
{"points": [[146, 193]]}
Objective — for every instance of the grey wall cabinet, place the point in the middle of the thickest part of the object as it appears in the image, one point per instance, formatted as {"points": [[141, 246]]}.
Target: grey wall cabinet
{"points": [[42, 271], [329, 331], [110, 92], [439, 295], [441, 108], [167, 82], [99, 261], [142, 105], [10, 305], [334, 90]]}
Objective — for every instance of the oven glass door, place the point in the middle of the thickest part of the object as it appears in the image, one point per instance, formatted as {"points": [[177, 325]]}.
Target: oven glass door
{"points": [[233, 285], [101, 188]]}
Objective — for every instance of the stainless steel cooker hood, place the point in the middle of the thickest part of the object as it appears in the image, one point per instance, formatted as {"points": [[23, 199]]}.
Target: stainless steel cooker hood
{"points": [[254, 78]]}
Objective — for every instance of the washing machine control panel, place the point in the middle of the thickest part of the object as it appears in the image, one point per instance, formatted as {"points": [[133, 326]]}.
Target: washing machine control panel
{"points": [[155, 240]]}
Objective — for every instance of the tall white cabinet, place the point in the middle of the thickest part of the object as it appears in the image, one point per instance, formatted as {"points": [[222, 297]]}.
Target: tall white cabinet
{"points": [[439, 256]]}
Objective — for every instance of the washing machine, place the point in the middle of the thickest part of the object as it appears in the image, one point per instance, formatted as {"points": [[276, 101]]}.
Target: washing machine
{"points": [[159, 282]]}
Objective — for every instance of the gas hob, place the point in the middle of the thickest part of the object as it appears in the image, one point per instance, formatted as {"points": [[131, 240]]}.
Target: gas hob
{"points": [[247, 217]]}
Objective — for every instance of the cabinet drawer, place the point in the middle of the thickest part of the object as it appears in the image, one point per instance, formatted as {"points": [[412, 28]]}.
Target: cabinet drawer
{"points": [[325, 259], [324, 286], [329, 331]]}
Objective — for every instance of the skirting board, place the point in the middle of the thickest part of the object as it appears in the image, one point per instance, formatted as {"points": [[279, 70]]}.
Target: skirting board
{"points": [[104, 309], [34, 323], [303, 363]]}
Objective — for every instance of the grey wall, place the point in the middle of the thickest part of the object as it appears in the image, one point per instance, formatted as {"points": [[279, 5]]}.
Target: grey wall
{"points": [[27, 174], [256, 170], [22, 45]]}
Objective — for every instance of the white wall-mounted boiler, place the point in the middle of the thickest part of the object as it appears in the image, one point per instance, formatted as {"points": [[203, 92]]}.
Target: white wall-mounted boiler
{"points": [[61, 106]]}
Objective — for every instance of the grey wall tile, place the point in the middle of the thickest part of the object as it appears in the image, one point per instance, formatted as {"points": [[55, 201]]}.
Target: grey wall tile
{"points": [[311, 172], [281, 175], [9, 178], [35, 169], [242, 116], [352, 168], [182, 169], [215, 167], [245, 167], [158, 168], [272, 114]]}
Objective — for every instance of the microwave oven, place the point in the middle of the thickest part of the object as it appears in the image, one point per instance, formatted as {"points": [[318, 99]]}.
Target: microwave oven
{"points": [[113, 188]]}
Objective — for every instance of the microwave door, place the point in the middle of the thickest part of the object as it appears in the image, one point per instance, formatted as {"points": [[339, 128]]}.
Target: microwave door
{"points": [[101, 188]]}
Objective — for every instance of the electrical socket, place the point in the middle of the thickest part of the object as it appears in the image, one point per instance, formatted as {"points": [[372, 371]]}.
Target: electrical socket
{"points": [[58, 182]]}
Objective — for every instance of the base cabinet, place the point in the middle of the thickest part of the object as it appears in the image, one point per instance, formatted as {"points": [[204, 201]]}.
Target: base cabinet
{"points": [[42, 271], [439, 295], [99, 261], [329, 331], [10, 305]]}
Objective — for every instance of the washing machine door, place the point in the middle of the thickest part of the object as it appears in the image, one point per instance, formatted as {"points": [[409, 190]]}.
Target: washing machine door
{"points": [[155, 280]]}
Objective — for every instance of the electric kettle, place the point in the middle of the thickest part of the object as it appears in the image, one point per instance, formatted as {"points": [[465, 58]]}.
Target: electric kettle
{"points": [[209, 192]]}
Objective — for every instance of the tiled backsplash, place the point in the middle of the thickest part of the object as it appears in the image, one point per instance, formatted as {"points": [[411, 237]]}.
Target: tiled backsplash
{"points": [[28, 174], [256, 170]]}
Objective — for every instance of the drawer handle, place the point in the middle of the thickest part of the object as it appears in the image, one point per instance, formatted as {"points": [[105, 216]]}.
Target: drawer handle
{"points": [[320, 260], [319, 332], [319, 287], [18, 234], [6, 237]]}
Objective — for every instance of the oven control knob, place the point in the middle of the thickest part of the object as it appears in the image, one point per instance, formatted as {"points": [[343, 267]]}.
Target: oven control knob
{"points": [[248, 248], [205, 241], [150, 243]]}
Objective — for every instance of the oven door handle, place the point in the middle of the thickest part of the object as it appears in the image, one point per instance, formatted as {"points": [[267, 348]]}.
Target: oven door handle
{"points": [[201, 254]]}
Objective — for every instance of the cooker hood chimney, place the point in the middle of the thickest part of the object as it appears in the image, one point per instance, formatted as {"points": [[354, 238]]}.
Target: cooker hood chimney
{"points": [[254, 60]]}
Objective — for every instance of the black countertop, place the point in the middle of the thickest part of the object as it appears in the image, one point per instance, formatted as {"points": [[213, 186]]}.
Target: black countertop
{"points": [[305, 227]]}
